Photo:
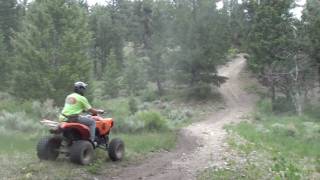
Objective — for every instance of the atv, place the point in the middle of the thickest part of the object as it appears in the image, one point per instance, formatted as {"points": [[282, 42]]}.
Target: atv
{"points": [[73, 140]]}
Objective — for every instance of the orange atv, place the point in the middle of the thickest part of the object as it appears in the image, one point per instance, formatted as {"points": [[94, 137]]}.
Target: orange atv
{"points": [[73, 140]]}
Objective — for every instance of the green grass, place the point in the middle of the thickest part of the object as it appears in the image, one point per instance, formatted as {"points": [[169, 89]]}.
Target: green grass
{"points": [[288, 135], [15, 143], [19, 161], [287, 147], [18, 146]]}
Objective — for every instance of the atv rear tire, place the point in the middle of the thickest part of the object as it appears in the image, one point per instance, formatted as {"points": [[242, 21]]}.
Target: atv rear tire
{"points": [[81, 152], [48, 148], [116, 149]]}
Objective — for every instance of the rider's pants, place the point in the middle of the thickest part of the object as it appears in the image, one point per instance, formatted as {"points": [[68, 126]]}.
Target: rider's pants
{"points": [[91, 123]]}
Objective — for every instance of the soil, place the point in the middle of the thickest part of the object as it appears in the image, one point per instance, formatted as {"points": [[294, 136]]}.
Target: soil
{"points": [[201, 144]]}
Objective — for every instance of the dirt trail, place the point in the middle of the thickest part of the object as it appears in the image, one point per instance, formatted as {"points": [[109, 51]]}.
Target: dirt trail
{"points": [[201, 144]]}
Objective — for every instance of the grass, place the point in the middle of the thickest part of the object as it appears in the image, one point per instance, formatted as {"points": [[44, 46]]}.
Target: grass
{"points": [[19, 161], [288, 135], [274, 147], [15, 143], [18, 146]]}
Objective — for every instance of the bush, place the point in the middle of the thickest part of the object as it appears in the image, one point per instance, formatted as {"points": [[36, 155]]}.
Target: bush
{"points": [[18, 122], [283, 105], [178, 117], [313, 111], [200, 91], [133, 106], [232, 52], [45, 110], [264, 106], [5, 96], [129, 125], [144, 121], [153, 121], [149, 95]]}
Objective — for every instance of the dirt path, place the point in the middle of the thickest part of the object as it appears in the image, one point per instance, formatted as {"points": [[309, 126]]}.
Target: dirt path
{"points": [[200, 145]]}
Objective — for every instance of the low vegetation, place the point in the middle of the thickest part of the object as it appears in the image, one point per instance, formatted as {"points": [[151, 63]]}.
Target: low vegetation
{"points": [[145, 127], [273, 147]]}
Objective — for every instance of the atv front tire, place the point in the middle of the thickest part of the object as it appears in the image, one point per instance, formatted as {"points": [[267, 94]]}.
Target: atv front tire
{"points": [[116, 149], [81, 152], [48, 148]]}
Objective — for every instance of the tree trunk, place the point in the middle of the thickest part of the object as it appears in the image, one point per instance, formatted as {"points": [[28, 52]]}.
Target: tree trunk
{"points": [[273, 96], [299, 104], [160, 89]]}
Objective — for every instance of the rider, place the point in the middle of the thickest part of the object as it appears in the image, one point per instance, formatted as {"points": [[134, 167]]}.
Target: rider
{"points": [[75, 104]]}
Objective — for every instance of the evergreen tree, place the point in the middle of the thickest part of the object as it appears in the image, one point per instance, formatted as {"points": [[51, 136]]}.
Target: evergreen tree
{"points": [[203, 41], [4, 65], [52, 48], [312, 21], [9, 20], [109, 26], [111, 78], [134, 74], [100, 24], [238, 24], [270, 37], [159, 42]]}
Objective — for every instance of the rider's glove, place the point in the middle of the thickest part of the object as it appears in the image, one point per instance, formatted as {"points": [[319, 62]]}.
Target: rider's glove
{"points": [[100, 111]]}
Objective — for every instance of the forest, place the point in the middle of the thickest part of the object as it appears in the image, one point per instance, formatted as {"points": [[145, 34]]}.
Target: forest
{"points": [[153, 64], [125, 45]]}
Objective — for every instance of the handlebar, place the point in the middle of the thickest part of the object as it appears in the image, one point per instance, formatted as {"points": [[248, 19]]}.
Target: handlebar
{"points": [[99, 111]]}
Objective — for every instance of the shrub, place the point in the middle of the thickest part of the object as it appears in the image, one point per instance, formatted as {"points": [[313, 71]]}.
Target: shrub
{"points": [[133, 106], [149, 95], [265, 106], [177, 117], [128, 125], [153, 121], [200, 91], [282, 105], [18, 122], [144, 121], [45, 109], [5, 96], [232, 52]]}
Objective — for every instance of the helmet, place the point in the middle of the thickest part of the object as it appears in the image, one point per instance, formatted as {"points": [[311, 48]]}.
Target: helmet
{"points": [[80, 87]]}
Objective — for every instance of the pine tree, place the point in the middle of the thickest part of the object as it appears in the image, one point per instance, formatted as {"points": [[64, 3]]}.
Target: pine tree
{"points": [[312, 21], [203, 41], [9, 20], [270, 33], [4, 66], [134, 74], [111, 78], [109, 26], [52, 49], [277, 47], [159, 42], [238, 24]]}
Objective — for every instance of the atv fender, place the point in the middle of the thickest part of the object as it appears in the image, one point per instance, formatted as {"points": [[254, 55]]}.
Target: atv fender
{"points": [[81, 128]]}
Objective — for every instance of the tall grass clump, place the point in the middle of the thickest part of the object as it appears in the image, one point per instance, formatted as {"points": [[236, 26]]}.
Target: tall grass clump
{"points": [[18, 121]]}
